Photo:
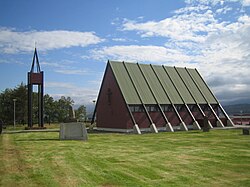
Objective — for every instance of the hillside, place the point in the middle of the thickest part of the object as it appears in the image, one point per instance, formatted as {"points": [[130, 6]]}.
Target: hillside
{"points": [[237, 108]]}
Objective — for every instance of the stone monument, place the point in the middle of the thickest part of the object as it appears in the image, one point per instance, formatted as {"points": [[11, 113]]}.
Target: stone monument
{"points": [[206, 126], [73, 131]]}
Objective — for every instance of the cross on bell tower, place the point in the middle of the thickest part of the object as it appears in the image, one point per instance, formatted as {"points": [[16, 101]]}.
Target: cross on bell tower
{"points": [[35, 78]]}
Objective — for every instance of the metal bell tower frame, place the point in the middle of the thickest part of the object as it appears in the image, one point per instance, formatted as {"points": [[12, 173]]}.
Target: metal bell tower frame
{"points": [[35, 78]]}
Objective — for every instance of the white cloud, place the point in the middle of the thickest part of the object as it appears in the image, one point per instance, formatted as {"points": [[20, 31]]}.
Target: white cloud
{"points": [[72, 71], [65, 67], [212, 2], [223, 10], [221, 44], [80, 95], [60, 85], [246, 2], [15, 42], [49, 64], [119, 39], [156, 54], [216, 2], [192, 26], [187, 9], [196, 36]]}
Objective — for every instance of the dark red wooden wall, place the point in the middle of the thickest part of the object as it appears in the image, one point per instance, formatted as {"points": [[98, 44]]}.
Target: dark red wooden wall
{"points": [[111, 108]]}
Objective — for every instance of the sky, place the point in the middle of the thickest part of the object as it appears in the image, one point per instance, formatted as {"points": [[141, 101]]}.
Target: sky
{"points": [[76, 38]]}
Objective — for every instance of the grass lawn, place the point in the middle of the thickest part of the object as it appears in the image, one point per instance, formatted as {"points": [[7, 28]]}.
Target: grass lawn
{"points": [[22, 127], [194, 158]]}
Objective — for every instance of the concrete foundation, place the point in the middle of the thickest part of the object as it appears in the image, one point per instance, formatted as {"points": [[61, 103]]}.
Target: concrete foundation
{"points": [[73, 131], [230, 123], [153, 128], [169, 127], [183, 126], [210, 125], [219, 123], [136, 129], [196, 126]]}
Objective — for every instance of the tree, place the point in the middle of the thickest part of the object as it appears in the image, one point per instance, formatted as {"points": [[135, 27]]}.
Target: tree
{"points": [[81, 113], [7, 105], [62, 108], [49, 109], [54, 111], [20, 94]]}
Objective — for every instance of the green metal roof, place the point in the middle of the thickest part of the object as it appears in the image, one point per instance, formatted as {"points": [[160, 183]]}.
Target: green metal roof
{"points": [[155, 84], [179, 85], [152, 84], [167, 85], [202, 86], [140, 84], [190, 85], [125, 83]]}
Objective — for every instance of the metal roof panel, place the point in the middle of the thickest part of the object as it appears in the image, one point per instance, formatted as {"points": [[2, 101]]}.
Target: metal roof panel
{"points": [[192, 88], [140, 83], [154, 84], [168, 85], [180, 86], [124, 83], [203, 86]]}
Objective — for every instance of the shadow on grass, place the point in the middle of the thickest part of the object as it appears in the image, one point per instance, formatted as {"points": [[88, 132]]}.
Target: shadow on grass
{"points": [[194, 132], [43, 139], [38, 140]]}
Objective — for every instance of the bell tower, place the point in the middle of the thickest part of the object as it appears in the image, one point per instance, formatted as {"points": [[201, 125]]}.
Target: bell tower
{"points": [[35, 77]]}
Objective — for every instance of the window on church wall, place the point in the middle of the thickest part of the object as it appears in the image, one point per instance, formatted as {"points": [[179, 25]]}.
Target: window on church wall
{"points": [[167, 108], [215, 107], [206, 109], [136, 108], [163, 107], [170, 109], [152, 108], [178, 108], [203, 107], [217, 110], [193, 108]]}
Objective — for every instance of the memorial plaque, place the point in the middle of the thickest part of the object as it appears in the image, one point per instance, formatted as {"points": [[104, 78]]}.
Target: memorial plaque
{"points": [[73, 131]]}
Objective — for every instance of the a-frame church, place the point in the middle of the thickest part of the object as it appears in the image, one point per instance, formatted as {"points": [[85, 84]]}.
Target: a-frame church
{"points": [[140, 97]]}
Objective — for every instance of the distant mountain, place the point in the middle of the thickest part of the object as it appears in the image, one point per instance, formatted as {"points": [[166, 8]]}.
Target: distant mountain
{"points": [[89, 109], [237, 108]]}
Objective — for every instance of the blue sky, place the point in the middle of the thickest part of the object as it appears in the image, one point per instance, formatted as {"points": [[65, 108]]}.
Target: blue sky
{"points": [[76, 38]]}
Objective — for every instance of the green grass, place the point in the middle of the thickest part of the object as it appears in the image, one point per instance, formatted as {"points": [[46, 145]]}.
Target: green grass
{"points": [[22, 127], [194, 158]]}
